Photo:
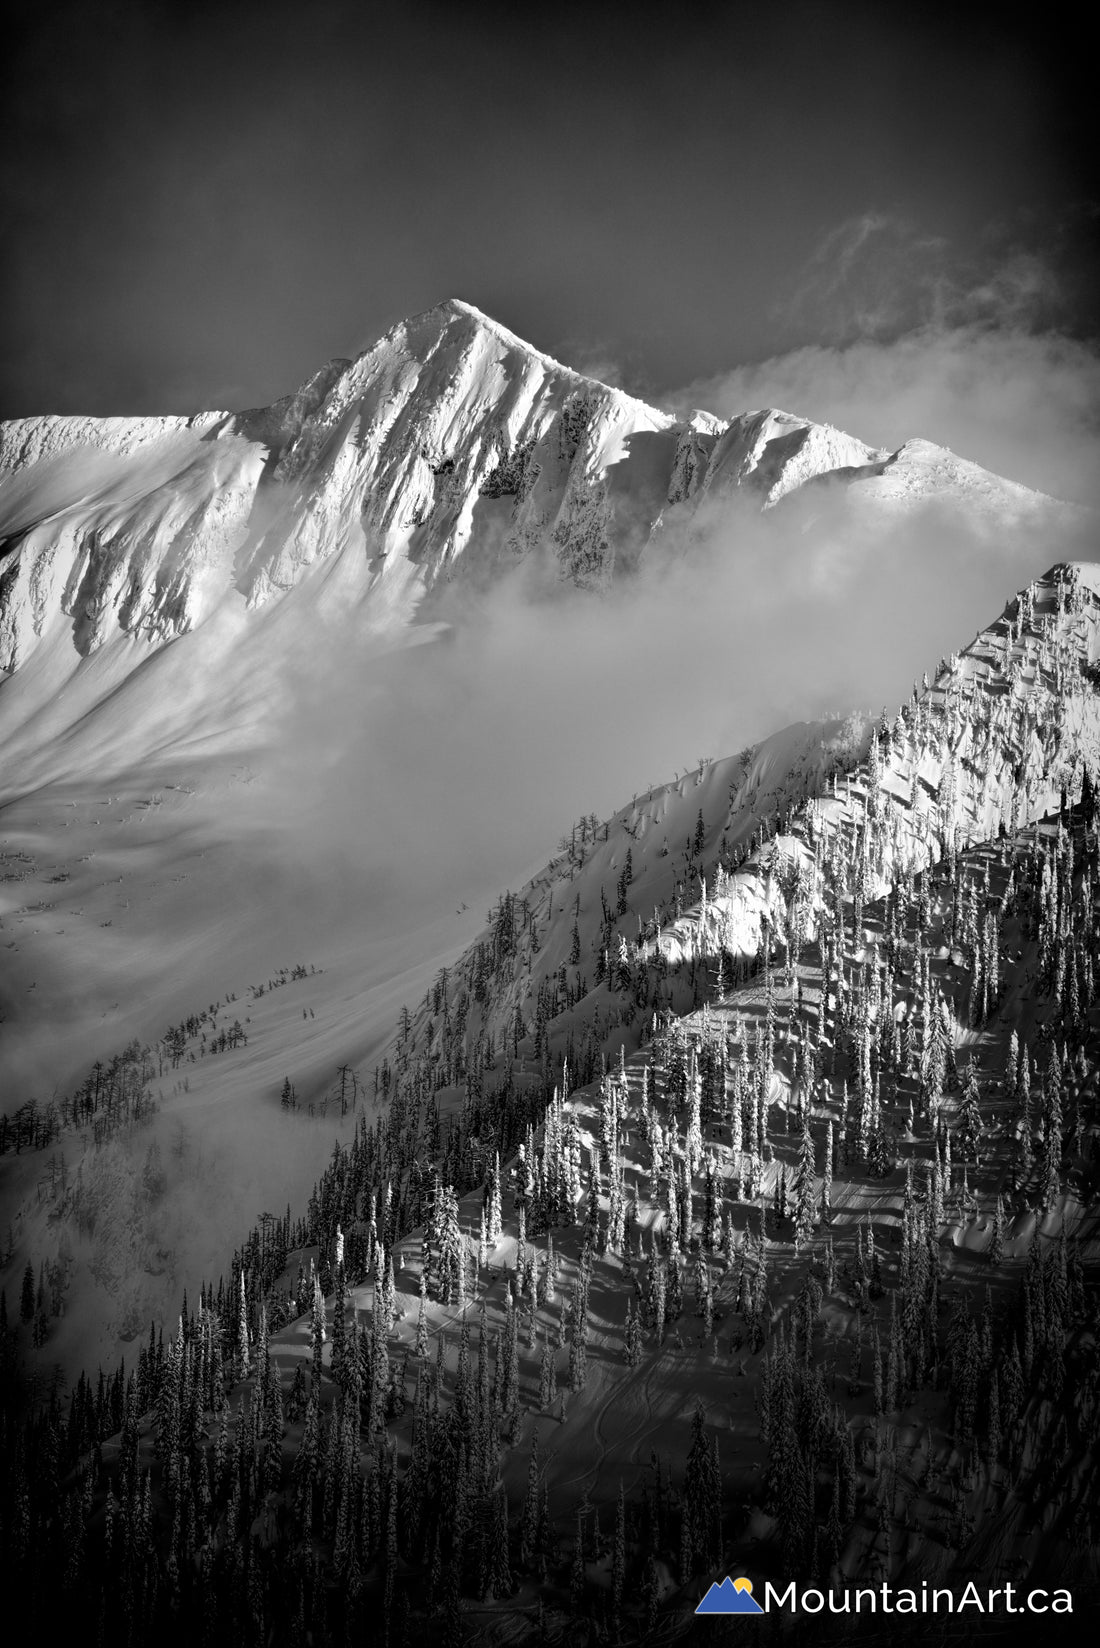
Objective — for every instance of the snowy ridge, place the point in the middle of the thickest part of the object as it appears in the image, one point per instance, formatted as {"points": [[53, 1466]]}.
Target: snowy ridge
{"points": [[1005, 727], [28, 441], [919, 470], [565, 913], [147, 552], [448, 450], [733, 852], [776, 453], [447, 431]]}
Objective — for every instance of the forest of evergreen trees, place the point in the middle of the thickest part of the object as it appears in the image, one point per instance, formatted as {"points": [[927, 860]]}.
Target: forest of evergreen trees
{"points": [[205, 1490], [854, 1175]]}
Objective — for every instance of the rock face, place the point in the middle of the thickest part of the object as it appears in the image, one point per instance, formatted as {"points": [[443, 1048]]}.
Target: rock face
{"points": [[448, 450]]}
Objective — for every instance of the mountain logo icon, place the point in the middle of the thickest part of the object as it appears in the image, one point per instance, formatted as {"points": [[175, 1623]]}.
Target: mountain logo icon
{"points": [[733, 1596]]}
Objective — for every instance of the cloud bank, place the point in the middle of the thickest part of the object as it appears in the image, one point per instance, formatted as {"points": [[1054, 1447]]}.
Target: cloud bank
{"points": [[983, 352]]}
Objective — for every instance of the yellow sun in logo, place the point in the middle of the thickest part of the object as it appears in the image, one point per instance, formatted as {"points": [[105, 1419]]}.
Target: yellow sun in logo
{"points": [[743, 1584]]}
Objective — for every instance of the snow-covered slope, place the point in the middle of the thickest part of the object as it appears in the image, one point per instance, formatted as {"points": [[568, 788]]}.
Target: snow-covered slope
{"points": [[448, 450], [449, 439], [920, 470], [1007, 725], [707, 866], [773, 452]]}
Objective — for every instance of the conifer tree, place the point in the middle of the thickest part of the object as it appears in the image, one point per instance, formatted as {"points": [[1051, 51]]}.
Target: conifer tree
{"points": [[703, 1494], [827, 1177], [707, 1301], [548, 1385], [243, 1358], [657, 1302], [787, 1469], [500, 1582], [452, 1249], [578, 1340], [633, 1337], [494, 1220], [970, 1118], [618, 1560], [996, 1240], [529, 1522], [1050, 1178], [26, 1298], [651, 1592], [805, 1187], [674, 1290], [576, 1572], [339, 1329], [420, 1346]]}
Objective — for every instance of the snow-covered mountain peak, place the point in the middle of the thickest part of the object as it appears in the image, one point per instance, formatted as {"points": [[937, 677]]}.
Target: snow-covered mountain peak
{"points": [[921, 471], [450, 441], [449, 450], [457, 309], [777, 452]]}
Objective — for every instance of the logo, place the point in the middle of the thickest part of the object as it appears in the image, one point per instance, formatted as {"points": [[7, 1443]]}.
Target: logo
{"points": [[733, 1596]]}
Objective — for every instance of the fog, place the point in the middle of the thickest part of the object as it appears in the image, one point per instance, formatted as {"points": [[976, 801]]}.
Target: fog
{"points": [[458, 764]]}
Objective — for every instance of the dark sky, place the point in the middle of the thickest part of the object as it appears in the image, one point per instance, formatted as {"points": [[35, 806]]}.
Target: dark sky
{"points": [[202, 203]]}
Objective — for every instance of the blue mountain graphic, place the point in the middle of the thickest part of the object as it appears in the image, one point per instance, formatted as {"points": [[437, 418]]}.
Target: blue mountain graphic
{"points": [[729, 1598]]}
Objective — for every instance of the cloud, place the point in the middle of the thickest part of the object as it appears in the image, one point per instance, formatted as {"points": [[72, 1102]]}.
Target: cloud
{"points": [[878, 275], [1025, 405], [872, 275], [441, 772], [913, 336]]}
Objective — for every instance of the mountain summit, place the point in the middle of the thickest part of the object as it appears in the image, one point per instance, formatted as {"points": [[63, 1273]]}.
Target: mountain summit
{"points": [[449, 449]]}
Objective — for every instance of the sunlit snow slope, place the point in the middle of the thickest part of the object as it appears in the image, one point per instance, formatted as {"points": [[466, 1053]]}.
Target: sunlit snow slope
{"points": [[447, 450]]}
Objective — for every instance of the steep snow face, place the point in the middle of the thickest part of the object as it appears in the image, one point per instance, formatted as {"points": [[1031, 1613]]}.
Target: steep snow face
{"points": [[141, 540], [449, 442], [774, 458], [449, 435], [992, 742], [447, 451], [767, 454], [775, 452]]}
